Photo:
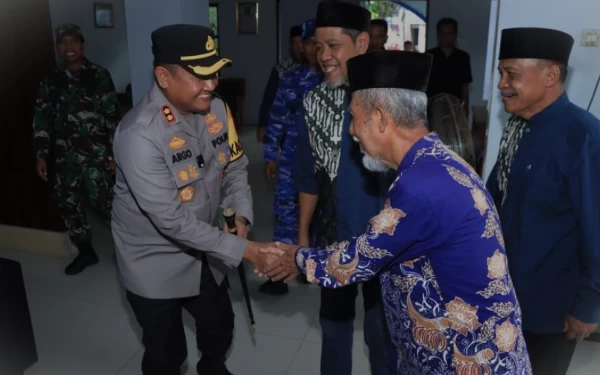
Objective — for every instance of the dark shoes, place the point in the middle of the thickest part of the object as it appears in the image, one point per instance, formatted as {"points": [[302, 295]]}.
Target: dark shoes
{"points": [[210, 366], [274, 288], [87, 257]]}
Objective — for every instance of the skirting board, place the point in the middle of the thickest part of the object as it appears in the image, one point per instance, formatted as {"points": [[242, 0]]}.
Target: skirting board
{"points": [[56, 244]]}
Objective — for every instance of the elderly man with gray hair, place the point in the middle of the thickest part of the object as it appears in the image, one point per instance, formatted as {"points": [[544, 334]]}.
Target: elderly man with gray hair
{"points": [[436, 246]]}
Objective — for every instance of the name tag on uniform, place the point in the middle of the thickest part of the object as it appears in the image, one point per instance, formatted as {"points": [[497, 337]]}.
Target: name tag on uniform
{"points": [[218, 141], [182, 156]]}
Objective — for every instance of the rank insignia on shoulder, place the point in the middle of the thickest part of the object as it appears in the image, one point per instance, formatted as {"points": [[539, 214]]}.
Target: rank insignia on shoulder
{"points": [[176, 143], [193, 171], [187, 194], [168, 114], [222, 158], [210, 118], [215, 128], [183, 175]]}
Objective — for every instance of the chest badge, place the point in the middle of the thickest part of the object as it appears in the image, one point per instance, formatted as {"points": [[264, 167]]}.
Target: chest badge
{"points": [[187, 194], [210, 118], [193, 171], [222, 158], [215, 128], [183, 175], [168, 114], [176, 143]]}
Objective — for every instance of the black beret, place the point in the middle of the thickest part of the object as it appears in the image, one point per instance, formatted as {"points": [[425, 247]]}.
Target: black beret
{"points": [[536, 43], [389, 69], [190, 46], [344, 15], [295, 31]]}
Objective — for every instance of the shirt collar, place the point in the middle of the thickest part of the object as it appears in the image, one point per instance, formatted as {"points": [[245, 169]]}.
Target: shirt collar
{"points": [[550, 111], [424, 143]]}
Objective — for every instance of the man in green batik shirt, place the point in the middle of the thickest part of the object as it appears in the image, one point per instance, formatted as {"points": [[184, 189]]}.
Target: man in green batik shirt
{"points": [[76, 113]]}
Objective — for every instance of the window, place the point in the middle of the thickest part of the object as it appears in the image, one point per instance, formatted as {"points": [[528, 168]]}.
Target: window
{"points": [[407, 21], [213, 19]]}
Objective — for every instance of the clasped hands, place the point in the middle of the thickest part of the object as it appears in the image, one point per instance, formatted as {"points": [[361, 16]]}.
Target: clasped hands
{"points": [[275, 261]]}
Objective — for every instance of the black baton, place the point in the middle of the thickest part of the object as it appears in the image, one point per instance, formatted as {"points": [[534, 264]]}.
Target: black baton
{"points": [[229, 215]]}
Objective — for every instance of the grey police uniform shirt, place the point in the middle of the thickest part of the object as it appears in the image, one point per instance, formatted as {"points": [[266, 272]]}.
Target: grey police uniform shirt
{"points": [[171, 179]]}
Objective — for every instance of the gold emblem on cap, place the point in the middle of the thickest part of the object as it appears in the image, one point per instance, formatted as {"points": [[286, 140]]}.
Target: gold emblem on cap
{"points": [[210, 43]]}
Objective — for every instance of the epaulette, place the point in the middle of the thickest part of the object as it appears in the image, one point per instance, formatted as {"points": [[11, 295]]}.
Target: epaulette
{"points": [[168, 114]]}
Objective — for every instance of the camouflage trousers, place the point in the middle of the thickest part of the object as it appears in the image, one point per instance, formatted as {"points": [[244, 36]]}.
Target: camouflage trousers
{"points": [[79, 179], [286, 208]]}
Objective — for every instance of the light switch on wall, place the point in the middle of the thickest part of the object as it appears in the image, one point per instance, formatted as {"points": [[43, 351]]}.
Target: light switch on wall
{"points": [[591, 38]]}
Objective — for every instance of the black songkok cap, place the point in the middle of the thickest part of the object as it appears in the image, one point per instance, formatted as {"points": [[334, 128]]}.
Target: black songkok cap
{"points": [[295, 31], [536, 43], [190, 46], [344, 15], [390, 69]]}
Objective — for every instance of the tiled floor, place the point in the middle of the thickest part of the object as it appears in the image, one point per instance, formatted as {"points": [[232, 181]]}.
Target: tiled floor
{"points": [[83, 326]]}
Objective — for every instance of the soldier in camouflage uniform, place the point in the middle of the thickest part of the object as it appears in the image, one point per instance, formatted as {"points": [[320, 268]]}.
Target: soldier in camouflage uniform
{"points": [[277, 72], [280, 138], [75, 117]]}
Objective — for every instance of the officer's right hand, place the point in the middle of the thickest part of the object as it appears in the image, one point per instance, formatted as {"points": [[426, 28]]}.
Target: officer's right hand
{"points": [[259, 260], [271, 170], [41, 169]]}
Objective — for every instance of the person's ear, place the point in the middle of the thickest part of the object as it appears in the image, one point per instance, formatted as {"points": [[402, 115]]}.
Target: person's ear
{"points": [[362, 42], [163, 77]]}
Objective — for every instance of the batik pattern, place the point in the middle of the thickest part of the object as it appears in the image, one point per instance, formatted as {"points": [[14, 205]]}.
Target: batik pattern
{"points": [[509, 145], [280, 144], [437, 247]]}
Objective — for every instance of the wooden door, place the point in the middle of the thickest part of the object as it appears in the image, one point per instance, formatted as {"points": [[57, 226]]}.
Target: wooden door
{"points": [[27, 56]]}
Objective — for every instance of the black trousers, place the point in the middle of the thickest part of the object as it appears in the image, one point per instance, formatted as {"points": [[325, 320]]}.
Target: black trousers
{"points": [[162, 325], [340, 304], [550, 354]]}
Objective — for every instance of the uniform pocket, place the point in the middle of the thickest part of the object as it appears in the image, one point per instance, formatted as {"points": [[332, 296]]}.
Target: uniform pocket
{"points": [[184, 167]]}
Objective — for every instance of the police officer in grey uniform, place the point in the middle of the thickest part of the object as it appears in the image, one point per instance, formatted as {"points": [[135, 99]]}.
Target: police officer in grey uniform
{"points": [[178, 157]]}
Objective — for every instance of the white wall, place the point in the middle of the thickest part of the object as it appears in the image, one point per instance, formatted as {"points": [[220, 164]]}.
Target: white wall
{"points": [[294, 12], [473, 17], [145, 16], [105, 47], [572, 17]]}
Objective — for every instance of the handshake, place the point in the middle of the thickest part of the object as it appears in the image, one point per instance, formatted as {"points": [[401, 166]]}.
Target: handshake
{"points": [[275, 261]]}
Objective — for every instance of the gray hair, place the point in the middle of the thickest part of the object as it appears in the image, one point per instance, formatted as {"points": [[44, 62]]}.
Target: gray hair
{"points": [[353, 34], [541, 63], [407, 108]]}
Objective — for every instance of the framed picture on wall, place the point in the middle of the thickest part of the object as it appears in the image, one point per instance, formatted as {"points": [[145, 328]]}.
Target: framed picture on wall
{"points": [[247, 18], [104, 17]]}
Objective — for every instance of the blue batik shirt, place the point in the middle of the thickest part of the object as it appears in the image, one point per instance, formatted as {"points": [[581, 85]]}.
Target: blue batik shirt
{"points": [[438, 250]]}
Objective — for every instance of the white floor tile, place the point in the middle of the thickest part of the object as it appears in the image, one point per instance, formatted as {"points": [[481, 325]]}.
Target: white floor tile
{"points": [[586, 360], [250, 353], [83, 325], [81, 337], [307, 361]]}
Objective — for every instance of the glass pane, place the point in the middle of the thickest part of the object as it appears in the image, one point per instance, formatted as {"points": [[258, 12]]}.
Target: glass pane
{"points": [[407, 21]]}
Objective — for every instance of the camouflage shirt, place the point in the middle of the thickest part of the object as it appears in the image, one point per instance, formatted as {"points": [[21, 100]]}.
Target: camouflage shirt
{"points": [[75, 112]]}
